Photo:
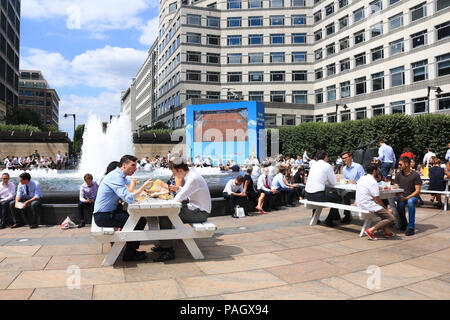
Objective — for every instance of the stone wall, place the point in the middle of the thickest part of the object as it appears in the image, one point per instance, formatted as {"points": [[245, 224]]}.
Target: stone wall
{"points": [[151, 150], [46, 149]]}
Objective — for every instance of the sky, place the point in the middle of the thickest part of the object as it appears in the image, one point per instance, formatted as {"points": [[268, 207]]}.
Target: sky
{"points": [[88, 50]]}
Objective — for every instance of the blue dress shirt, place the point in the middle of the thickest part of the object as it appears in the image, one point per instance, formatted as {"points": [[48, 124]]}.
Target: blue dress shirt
{"points": [[278, 182], [34, 190], [447, 155], [386, 154], [112, 188], [355, 172]]}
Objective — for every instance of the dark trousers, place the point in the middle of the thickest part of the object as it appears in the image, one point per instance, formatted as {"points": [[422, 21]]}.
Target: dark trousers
{"points": [[385, 168], [30, 214], [82, 206], [326, 196], [5, 212], [235, 200], [187, 215], [288, 192], [347, 199], [118, 219]]}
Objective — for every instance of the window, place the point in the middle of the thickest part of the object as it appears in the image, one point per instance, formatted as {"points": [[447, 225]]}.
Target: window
{"points": [[378, 110], [345, 64], [318, 54], [213, 22], [391, 2], [255, 4], [358, 15], [276, 57], [331, 69], [256, 95], [234, 22], [331, 93], [442, 4], [235, 95], [443, 101], [377, 53], [419, 70], [288, 120], [299, 75], [360, 59], [345, 116], [298, 20], [317, 16], [194, 56], [443, 30], [376, 29], [318, 35], [345, 89], [276, 20], [344, 43], [397, 76], [277, 96], [276, 38], [342, 3], [376, 6], [234, 58], [256, 76], [418, 11], [234, 4], [213, 77], [330, 49], [234, 76], [212, 5], [360, 85], [299, 38], [194, 37], [212, 58], [343, 22], [396, 47], [319, 95], [212, 40], [330, 29], [378, 81], [213, 95], [234, 40], [318, 73], [331, 117], [419, 105], [359, 37], [297, 3], [270, 119], [319, 118], [398, 107], [329, 9], [193, 19], [256, 57], [396, 21], [192, 75], [255, 39], [277, 76], [298, 56], [255, 21], [361, 113], [276, 3], [443, 65], [300, 97], [419, 39]]}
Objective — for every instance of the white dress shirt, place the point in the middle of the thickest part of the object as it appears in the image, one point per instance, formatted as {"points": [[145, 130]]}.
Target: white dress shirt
{"points": [[366, 190], [320, 174], [195, 190], [261, 185], [272, 172], [7, 192], [427, 157], [232, 187]]}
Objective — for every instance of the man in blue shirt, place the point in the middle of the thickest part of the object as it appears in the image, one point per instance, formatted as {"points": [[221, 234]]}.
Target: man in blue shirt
{"points": [[28, 202], [387, 157], [281, 184], [107, 214], [352, 172]]}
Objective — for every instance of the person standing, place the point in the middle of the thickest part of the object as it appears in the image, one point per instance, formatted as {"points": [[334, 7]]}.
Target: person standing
{"points": [[66, 161], [88, 193], [306, 159], [108, 213], [59, 159], [7, 191], [447, 155], [411, 183], [29, 197], [427, 157], [338, 167], [387, 158]]}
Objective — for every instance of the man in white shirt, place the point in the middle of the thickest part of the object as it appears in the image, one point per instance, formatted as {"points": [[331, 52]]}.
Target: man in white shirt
{"points": [[368, 198], [447, 155], [306, 159], [264, 186], [319, 175], [7, 192], [427, 157], [196, 199], [234, 194]]}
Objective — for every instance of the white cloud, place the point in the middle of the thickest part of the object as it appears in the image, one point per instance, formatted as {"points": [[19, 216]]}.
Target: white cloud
{"points": [[149, 32]]}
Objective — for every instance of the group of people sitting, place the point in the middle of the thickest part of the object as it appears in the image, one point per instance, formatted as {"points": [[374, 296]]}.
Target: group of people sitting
{"points": [[36, 161]]}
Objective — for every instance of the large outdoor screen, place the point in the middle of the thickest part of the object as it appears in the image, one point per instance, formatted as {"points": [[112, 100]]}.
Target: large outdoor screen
{"points": [[221, 125]]}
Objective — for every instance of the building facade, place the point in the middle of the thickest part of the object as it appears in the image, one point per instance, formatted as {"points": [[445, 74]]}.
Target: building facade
{"points": [[9, 56], [307, 60], [35, 94]]}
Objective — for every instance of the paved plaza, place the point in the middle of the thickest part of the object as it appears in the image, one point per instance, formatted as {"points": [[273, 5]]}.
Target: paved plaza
{"points": [[274, 256]]}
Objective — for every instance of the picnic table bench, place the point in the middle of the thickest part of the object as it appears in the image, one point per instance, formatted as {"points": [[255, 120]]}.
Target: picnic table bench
{"points": [[445, 193], [151, 210]]}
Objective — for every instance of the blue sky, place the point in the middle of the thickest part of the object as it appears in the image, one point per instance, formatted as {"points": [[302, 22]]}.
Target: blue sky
{"points": [[88, 50]]}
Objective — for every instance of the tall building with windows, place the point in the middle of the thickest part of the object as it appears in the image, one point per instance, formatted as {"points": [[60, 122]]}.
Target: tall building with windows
{"points": [[9, 56], [307, 60], [35, 94]]}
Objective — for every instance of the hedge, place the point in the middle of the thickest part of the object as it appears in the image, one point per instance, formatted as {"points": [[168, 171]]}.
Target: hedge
{"points": [[19, 127], [399, 131]]}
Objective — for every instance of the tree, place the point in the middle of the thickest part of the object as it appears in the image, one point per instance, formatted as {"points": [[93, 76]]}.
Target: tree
{"points": [[28, 116], [78, 139]]}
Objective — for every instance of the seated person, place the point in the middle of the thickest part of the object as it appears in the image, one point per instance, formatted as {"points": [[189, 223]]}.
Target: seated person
{"points": [[7, 192], [249, 188], [235, 194], [447, 170], [283, 187], [235, 167], [300, 180], [437, 182], [411, 183], [352, 172], [88, 193], [320, 174], [265, 191], [368, 198], [29, 196]]}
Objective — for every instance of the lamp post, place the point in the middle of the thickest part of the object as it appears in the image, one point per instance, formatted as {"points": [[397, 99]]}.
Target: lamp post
{"points": [[337, 107], [74, 121], [438, 91]]}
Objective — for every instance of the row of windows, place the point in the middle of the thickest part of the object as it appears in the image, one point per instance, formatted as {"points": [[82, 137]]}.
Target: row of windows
{"points": [[255, 4], [253, 39], [252, 21], [252, 58]]}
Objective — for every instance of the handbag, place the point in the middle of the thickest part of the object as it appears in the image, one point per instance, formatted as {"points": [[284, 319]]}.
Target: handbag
{"points": [[239, 212]]}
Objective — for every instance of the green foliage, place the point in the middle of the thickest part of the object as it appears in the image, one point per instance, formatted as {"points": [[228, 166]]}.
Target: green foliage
{"points": [[399, 131], [78, 139], [157, 131], [18, 127]]}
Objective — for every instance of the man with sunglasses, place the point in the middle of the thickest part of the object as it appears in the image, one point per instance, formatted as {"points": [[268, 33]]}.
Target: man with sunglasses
{"points": [[7, 191]]}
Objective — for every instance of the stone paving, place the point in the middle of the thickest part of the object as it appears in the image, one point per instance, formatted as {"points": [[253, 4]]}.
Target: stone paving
{"points": [[274, 256]]}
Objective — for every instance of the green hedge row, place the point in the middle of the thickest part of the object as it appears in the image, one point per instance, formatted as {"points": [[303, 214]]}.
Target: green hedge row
{"points": [[19, 127], [399, 131]]}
